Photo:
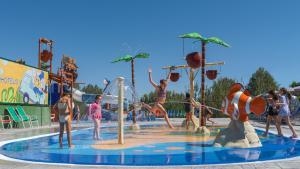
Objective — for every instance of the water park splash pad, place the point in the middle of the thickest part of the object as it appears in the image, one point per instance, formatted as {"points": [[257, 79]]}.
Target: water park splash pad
{"points": [[152, 145]]}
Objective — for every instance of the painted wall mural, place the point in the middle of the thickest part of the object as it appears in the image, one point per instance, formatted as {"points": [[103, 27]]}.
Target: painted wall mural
{"points": [[22, 84]]}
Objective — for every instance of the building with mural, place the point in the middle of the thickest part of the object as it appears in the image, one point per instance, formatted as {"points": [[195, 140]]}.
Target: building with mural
{"points": [[26, 86]]}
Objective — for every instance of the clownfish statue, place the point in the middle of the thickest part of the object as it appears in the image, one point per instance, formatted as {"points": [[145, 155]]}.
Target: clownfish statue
{"points": [[238, 103]]}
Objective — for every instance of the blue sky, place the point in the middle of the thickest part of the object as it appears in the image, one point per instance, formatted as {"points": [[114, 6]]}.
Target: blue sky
{"points": [[261, 33]]}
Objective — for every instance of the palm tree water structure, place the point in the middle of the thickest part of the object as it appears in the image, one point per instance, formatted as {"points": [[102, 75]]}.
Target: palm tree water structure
{"points": [[204, 42], [192, 75], [131, 59]]}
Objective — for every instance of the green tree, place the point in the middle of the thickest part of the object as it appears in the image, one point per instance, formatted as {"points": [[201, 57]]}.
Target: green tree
{"points": [[89, 89], [261, 82], [148, 98], [295, 84], [174, 100], [217, 92], [196, 91], [92, 89]]}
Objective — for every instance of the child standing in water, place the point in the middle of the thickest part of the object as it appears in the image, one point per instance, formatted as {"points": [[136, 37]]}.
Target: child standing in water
{"points": [[161, 91], [187, 108], [64, 109], [96, 116], [207, 114], [284, 110], [272, 112]]}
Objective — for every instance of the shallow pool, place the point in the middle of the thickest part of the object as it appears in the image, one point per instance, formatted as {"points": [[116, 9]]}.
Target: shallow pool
{"points": [[151, 146]]}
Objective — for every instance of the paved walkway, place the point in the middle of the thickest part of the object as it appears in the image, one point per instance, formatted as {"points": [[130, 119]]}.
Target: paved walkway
{"points": [[19, 133]]}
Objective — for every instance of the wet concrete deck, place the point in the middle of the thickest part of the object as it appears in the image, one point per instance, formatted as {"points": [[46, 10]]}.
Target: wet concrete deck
{"points": [[21, 133]]}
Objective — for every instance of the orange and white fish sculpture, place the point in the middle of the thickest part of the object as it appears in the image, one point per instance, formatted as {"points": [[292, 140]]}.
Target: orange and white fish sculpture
{"points": [[238, 103]]}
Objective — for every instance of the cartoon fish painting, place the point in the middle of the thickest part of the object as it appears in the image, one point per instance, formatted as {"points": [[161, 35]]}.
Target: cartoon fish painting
{"points": [[238, 104]]}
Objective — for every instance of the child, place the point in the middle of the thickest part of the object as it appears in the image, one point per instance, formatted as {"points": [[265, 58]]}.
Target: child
{"points": [[161, 91], [76, 113], [96, 116], [187, 108], [207, 114], [272, 112], [64, 110], [284, 110]]}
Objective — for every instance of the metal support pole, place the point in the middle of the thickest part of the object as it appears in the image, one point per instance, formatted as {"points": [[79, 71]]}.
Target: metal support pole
{"points": [[121, 106]]}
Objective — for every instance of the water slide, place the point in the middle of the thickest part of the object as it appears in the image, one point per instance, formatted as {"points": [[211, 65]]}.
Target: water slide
{"points": [[77, 94], [88, 98], [80, 96]]}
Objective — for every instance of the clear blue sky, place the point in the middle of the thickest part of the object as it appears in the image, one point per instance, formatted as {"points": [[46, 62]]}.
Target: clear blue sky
{"points": [[261, 33]]}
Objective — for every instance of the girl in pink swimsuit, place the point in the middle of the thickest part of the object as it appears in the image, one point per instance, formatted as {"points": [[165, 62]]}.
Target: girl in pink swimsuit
{"points": [[96, 116], [161, 91]]}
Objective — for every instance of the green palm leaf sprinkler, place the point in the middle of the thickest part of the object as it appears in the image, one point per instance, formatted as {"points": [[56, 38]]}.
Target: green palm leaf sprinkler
{"points": [[142, 56], [130, 58], [204, 41], [197, 36], [125, 58], [218, 41], [193, 35]]}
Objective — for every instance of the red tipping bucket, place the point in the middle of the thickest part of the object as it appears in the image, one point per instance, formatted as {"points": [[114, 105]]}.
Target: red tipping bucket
{"points": [[211, 74], [174, 77], [46, 55], [194, 60]]}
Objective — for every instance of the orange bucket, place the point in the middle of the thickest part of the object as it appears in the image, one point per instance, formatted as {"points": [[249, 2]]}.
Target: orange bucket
{"points": [[46, 55], [174, 77], [194, 60], [211, 74]]}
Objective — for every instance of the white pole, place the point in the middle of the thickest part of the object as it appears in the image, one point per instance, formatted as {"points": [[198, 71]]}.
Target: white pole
{"points": [[121, 106]]}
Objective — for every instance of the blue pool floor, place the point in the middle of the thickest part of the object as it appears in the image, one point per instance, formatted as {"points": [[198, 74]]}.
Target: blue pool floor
{"points": [[185, 150]]}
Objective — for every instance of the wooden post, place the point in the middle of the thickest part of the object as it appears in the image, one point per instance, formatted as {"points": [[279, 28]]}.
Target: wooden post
{"points": [[192, 89], [121, 106], [202, 118], [51, 50], [39, 61], [133, 85], [61, 82], [72, 101]]}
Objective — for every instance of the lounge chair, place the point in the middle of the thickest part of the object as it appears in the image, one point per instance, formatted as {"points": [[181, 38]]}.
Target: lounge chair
{"points": [[25, 117], [4, 120], [14, 117]]}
